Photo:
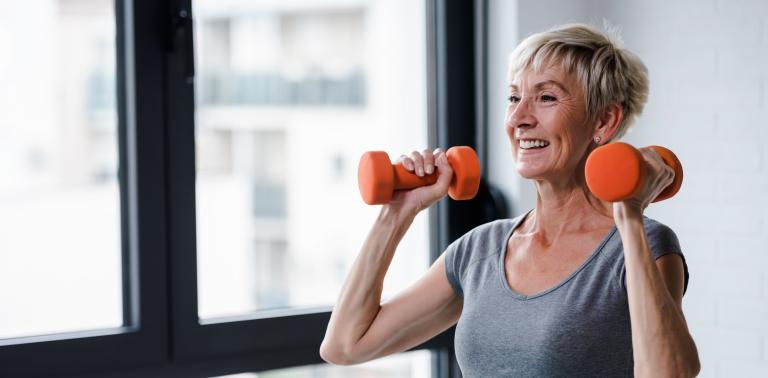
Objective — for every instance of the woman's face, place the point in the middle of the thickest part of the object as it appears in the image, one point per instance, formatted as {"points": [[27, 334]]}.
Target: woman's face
{"points": [[546, 123]]}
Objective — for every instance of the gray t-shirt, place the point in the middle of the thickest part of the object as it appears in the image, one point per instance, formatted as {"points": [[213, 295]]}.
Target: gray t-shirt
{"points": [[578, 328]]}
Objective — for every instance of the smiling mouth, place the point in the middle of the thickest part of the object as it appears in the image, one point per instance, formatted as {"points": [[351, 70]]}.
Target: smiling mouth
{"points": [[532, 144]]}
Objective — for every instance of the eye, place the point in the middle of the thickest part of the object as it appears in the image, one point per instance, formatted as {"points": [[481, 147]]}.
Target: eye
{"points": [[548, 98], [514, 99]]}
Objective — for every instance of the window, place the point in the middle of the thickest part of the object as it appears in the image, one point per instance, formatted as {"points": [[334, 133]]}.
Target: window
{"points": [[165, 174], [287, 100], [60, 250]]}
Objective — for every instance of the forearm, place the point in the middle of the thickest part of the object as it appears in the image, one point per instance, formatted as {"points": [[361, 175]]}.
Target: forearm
{"points": [[360, 299], [661, 342]]}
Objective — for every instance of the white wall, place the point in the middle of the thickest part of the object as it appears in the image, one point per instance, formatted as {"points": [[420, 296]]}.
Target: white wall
{"points": [[708, 64]]}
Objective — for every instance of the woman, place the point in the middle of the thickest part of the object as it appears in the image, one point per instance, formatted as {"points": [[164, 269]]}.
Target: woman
{"points": [[576, 286]]}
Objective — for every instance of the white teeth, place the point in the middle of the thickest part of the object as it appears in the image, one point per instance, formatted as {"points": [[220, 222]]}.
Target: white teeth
{"points": [[526, 144]]}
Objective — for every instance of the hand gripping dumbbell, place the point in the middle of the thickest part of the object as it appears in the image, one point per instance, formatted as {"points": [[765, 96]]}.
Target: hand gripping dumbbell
{"points": [[614, 172], [378, 178]]}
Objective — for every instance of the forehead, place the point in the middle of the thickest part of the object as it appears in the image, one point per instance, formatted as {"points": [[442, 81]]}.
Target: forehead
{"points": [[552, 74]]}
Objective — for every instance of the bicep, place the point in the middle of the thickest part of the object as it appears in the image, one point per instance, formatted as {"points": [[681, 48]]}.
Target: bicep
{"points": [[415, 315], [673, 273]]}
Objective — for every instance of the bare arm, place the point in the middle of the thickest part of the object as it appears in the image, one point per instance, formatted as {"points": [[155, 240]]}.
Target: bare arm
{"points": [[661, 342], [360, 328]]}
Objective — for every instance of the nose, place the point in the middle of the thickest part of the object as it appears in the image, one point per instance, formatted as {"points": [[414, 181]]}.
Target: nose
{"points": [[520, 115]]}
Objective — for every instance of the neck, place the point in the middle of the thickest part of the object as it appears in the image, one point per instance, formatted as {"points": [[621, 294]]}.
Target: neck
{"points": [[566, 207]]}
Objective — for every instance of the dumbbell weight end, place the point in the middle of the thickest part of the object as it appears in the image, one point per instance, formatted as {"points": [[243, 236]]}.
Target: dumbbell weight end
{"points": [[614, 172]]}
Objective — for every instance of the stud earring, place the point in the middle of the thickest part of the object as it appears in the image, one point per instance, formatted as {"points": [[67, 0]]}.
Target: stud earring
{"points": [[597, 139]]}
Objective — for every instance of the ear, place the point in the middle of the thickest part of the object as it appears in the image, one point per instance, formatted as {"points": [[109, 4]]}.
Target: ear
{"points": [[609, 121]]}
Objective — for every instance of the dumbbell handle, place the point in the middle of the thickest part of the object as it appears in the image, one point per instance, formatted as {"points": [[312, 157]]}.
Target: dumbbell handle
{"points": [[464, 173], [405, 179], [378, 178]]}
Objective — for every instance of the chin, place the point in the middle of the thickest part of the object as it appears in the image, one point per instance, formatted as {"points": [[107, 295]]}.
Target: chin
{"points": [[529, 173]]}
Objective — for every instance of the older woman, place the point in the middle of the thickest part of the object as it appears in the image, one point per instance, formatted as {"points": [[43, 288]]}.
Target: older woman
{"points": [[574, 287]]}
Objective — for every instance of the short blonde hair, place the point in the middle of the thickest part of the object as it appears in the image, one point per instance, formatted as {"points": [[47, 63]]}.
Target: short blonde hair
{"points": [[607, 72]]}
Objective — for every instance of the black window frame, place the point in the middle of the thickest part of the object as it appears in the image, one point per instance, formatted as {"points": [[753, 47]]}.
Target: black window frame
{"points": [[155, 70], [143, 341]]}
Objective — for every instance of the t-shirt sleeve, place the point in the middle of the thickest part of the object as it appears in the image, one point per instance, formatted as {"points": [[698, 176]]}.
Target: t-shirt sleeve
{"points": [[477, 245], [453, 258], [663, 241]]}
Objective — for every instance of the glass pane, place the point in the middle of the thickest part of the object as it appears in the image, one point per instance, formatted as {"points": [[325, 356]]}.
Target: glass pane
{"points": [[289, 96], [404, 365], [59, 197]]}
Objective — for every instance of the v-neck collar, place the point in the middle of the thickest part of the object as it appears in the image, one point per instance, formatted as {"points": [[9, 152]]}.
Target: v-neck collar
{"points": [[503, 254]]}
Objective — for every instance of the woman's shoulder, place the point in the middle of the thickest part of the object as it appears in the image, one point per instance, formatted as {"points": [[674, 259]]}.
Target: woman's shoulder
{"points": [[651, 222], [655, 227], [662, 239]]}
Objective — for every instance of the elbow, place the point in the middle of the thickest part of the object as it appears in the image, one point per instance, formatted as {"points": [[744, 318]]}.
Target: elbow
{"points": [[694, 364], [695, 367], [334, 355], [691, 368], [673, 367], [695, 371]]}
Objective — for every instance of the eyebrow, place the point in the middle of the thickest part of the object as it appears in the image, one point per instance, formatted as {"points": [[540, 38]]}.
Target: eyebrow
{"points": [[544, 83]]}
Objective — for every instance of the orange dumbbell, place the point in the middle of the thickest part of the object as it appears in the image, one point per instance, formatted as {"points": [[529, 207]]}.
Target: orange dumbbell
{"points": [[614, 172], [378, 177]]}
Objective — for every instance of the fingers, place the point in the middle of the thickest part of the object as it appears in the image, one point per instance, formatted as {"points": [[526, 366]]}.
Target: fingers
{"points": [[429, 161], [665, 173], [651, 156], [406, 162], [421, 163], [660, 175], [437, 152], [418, 163], [444, 170]]}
